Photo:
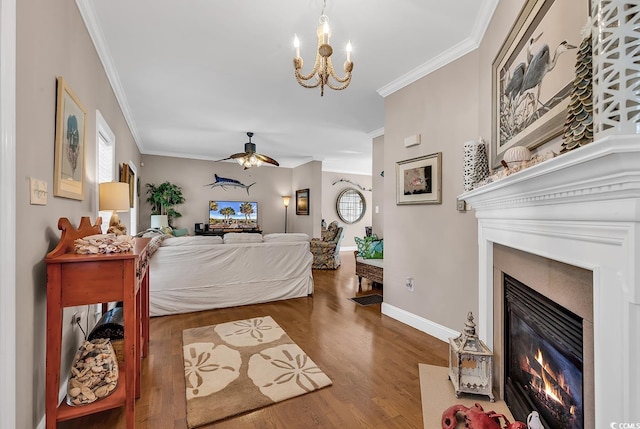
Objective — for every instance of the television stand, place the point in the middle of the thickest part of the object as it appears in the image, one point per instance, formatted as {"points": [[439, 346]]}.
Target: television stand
{"points": [[222, 231]]}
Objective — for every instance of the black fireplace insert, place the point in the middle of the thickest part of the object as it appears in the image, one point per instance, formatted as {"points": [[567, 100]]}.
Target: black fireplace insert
{"points": [[544, 358]]}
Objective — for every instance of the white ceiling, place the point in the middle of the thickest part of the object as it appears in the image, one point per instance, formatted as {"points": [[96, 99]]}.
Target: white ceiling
{"points": [[193, 76]]}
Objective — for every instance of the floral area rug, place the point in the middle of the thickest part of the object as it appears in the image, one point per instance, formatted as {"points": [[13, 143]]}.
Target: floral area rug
{"points": [[235, 367]]}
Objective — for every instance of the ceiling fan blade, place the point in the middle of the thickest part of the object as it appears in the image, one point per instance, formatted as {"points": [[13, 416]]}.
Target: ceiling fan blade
{"points": [[238, 155], [265, 158], [223, 159]]}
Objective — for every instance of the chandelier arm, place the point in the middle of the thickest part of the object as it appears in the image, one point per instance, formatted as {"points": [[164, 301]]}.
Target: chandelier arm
{"points": [[307, 85], [346, 78], [340, 87]]}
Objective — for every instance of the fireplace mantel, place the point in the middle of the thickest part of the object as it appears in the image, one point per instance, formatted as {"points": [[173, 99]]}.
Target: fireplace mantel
{"points": [[581, 208]]}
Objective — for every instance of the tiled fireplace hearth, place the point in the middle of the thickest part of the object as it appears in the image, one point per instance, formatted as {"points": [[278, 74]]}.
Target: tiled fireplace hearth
{"points": [[578, 214]]}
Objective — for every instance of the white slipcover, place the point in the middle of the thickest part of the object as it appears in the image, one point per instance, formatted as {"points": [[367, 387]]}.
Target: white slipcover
{"points": [[189, 278]]}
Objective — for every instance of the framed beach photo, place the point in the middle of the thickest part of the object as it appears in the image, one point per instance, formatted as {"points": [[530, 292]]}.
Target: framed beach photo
{"points": [[71, 118], [533, 73], [419, 180], [302, 202]]}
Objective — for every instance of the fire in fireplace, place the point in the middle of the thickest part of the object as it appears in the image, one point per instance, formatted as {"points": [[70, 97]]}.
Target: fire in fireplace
{"points": [[543, 370]]}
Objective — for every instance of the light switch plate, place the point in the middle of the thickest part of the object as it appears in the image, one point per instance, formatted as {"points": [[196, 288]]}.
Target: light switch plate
{"points": [[38, 191], [461, 205]]}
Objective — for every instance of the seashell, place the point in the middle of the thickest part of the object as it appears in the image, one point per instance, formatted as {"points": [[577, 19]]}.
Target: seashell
{"points": [[75, 391], [88, 393], [101, 391], [515, 155]]}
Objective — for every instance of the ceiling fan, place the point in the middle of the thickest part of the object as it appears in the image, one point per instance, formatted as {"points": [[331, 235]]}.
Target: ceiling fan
{"points": [[249, 157]]}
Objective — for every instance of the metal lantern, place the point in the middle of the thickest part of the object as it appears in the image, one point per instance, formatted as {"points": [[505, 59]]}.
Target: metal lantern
{"points": [[470, 362]]}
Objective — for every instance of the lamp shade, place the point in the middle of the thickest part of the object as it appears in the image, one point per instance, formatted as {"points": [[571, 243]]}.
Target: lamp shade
{"points": [[114, 196], [159, 221], [285, 200]]}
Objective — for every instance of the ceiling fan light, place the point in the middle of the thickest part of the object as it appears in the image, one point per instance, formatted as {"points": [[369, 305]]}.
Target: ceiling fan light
{"points": [[240, 160], [253, 160], [259, 163]]}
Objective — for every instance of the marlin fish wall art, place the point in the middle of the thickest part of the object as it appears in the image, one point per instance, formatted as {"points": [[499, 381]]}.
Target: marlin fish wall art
{"points": [[224, 182]]}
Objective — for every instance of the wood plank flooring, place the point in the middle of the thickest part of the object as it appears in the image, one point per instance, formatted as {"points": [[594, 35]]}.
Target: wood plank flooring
{"points": [[371, 359]]}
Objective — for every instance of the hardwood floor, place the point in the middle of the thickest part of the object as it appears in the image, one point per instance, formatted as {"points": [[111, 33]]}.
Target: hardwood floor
{"points": [[371, 359]]}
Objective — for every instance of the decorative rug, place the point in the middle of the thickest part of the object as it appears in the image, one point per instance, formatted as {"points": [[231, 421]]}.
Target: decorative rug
{"points": [[367, 299], [437, 395], [235, 367]]}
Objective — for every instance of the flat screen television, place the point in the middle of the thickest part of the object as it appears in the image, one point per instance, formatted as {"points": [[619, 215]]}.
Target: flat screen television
{"points": [[233, 214]]}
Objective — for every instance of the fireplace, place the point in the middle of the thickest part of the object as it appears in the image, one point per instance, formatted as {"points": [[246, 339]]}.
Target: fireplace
{"points": [[543, 358], [580, 210]]}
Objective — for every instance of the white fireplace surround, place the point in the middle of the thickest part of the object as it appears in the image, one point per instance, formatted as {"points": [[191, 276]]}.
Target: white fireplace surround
{"points": [[581, 208]]}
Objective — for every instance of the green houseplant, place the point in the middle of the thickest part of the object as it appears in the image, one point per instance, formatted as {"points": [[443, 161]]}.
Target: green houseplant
{"points": [[163, 198]]}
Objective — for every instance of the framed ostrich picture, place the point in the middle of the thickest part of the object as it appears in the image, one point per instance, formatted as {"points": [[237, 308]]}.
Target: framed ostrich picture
{"points": [[419, 180], [533, 73], [71, 118]]}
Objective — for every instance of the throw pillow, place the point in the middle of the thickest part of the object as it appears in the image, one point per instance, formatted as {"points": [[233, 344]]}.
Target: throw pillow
{"points": [[375, 250], [363, 244]]}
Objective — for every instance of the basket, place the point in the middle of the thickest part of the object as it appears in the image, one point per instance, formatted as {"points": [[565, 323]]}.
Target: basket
{"points": [[111, 326]]}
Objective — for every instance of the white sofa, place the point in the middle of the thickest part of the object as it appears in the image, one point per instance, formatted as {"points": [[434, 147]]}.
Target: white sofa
{"points": [[197, 273]]}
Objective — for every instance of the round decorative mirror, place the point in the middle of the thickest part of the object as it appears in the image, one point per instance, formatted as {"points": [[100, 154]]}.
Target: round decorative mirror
{"points": [[350, 205]]}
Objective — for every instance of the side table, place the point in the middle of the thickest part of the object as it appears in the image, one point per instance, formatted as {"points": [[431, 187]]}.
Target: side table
{"points": [[74, 280]]}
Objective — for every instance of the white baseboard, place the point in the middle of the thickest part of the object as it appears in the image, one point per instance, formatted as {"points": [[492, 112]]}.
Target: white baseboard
{"points": [[348, 248], [420, 323]]}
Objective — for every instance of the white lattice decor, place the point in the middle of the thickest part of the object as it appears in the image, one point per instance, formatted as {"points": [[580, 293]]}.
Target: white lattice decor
{"points": [[616, 67]]}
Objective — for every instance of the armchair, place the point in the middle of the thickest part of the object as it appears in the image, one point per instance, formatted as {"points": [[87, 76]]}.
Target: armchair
{"points": [[326, 250]]}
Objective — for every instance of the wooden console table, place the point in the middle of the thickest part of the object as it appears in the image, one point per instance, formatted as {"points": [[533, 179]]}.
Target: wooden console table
{"points": [[74, 280]]}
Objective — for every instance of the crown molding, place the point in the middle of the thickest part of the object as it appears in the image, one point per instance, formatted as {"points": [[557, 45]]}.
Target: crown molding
{"points": [[88, 14], [376, 133], [467, 45]]}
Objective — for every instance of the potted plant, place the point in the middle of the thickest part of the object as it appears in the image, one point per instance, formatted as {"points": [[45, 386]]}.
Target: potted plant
{"points": [[163, 198]]}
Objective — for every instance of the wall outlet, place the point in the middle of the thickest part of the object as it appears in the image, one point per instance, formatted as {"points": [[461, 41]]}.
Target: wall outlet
{"points": [[461, 205], [409, 284]]}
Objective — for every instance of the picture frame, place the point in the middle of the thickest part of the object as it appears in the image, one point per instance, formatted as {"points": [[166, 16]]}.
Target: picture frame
{"points": [[532, 75], [419, 180], [69, 156], [302, 202], [128, 176]]}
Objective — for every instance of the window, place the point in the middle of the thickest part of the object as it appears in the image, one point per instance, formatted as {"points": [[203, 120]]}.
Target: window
{"points": [[350, 205], [106, 143]]}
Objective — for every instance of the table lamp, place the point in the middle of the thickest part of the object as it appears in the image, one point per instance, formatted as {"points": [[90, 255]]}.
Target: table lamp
{"points": [[114, 197]]}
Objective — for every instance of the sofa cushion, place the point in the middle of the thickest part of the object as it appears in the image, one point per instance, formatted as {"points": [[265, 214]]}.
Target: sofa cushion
{"points": [[241, 237], [363, 243], [288, 237], [190, 240]]}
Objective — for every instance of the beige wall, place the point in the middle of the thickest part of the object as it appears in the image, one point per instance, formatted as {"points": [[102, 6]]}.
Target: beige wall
{"points": [[330, 194], [307, 176], [377, 182], [51, 41], [192, 175], [435, 244]]}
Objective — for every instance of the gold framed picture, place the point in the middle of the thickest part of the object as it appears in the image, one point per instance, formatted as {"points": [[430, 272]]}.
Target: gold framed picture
{"points": [[419, 180], [532, 75], [71, 119], [302, 202]]}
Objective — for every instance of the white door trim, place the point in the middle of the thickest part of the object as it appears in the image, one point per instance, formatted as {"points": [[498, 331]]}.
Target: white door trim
{"points": [[8, 213]]}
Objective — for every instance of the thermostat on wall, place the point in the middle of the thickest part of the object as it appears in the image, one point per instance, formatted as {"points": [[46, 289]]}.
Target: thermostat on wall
{"points": [[412, 140]]}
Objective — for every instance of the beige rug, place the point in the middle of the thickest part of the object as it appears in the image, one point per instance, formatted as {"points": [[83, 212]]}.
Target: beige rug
{"points": [[437, 395], [235, 367]]}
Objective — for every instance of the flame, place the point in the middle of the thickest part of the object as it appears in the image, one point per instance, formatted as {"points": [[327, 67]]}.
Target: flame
{"points": [[547, 387]]}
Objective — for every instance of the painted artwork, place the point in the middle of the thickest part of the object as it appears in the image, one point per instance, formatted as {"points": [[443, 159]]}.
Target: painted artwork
{"points": [[533, 74], [70, 143], [419, 180]]}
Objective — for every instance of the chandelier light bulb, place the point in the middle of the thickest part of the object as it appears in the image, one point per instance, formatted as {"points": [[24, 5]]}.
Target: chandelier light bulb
{"points": [[349, 49], [325, 32], [296, 44]]}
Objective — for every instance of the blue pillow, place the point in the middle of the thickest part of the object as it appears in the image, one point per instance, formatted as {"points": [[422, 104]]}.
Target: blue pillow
{"points": [[363, 244]]}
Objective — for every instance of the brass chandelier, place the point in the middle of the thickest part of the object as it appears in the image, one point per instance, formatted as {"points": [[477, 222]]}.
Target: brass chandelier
{"points": [[323, 69]]}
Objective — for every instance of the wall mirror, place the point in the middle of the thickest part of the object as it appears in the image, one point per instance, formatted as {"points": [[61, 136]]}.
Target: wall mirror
{"points": [[350, 205]]}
